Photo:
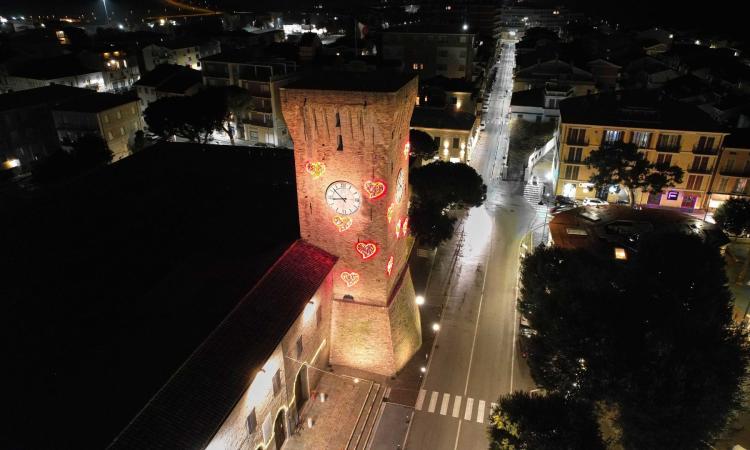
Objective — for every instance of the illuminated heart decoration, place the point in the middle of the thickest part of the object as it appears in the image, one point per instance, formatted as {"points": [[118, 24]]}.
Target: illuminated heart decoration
{"points": [[405, 227], [389, 266], [316, 169], [389, 214], [342, 223], [366, 249], [407, 147], [374, 189], [398, 229], [350, 278]]}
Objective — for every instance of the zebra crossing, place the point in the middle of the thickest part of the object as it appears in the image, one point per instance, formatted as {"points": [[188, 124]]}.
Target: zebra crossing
{"points": [[435, 402]]}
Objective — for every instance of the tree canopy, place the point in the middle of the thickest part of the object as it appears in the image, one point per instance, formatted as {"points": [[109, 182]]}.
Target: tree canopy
{"points": [[652, 338], [623, 164], [734, 216], [437, 187], [421, 145], [193, 118], [523, 420]]}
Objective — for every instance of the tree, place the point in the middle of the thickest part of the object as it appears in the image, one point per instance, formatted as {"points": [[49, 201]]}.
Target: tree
{"points": [[523, 420], [229, 103], [734, 216], [437, 188], [91, 150], [651, 338], [623, 164], [421, 145], [448, 185], [139, 141], [192, 118]]}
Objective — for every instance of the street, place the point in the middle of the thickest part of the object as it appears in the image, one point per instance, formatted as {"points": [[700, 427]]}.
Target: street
{"points": [[475, 359]]}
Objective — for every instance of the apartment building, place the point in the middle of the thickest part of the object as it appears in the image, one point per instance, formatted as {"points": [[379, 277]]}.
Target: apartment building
{"points": [[263, 123], [431, 50], [65, 70], [665, 130], [454, 132], [557, 72], [182, 52], [167, 80], [733, 171], [113, 117], [119, 67]]}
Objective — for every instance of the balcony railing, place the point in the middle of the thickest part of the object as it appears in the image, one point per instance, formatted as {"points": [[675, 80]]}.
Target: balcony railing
{"points": [[259, 123], [703, 150], [670, 148], [574, 161], [704, 170], [735, 173], [571, 141]]}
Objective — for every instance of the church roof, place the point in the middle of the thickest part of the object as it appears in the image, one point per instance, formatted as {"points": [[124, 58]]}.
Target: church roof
{"points": [[188, 411], [112, 281]]}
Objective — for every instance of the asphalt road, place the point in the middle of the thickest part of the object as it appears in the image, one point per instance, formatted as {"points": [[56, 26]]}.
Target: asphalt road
{"points": [[475, 359]]}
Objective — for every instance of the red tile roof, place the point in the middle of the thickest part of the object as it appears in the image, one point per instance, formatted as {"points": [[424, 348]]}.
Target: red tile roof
{"points": [[190, 408]]}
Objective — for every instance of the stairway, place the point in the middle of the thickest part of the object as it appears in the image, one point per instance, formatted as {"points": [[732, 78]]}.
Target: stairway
{"points": [[363, 430]]}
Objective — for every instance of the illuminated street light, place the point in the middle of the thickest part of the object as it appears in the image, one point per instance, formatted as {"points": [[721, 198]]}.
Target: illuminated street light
{"points": [[435, 327], [423, 369], [419, 300], [465, 27]]}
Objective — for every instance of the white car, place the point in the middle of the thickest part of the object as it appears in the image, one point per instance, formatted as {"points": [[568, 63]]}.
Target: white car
{"points": [[594, 202], [482, 126]]}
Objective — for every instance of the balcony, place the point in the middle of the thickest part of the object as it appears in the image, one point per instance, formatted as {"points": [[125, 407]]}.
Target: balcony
{"points": [[703, 150], [574, 161], [665, 148], [699, 170], [258, 122], [582, 142], [734, 173]]}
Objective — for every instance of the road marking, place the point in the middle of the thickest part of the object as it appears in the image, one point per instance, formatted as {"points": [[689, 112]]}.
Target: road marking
{"points": [[469, 408], [480, 412], [456, 405], [444, 406], [433, 401], [420, 400]]}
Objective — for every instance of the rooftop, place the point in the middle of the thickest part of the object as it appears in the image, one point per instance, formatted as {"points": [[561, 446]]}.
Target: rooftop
{"points": [[554, 69], [47, 95], [635, 108], [373, 81], [171, 78], [204, 390], [442, 119], [449, 84], [145, 258], [531, 97], [422, 28], [51, 68], [740, 138], [95, 102], [602, 229]]}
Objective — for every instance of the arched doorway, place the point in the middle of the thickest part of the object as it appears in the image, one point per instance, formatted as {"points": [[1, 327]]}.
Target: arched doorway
{"points": [[279, 429], [300, 390]]}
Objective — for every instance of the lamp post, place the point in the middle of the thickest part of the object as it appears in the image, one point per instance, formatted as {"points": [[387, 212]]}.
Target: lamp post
{"points": [[106, 15]]}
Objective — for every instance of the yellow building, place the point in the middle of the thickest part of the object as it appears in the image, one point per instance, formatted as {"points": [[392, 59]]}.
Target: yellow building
{"points": [[733, 172], [665, 130], [455, 133]]}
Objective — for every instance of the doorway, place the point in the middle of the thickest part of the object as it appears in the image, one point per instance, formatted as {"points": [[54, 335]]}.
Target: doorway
{"points": [[279, 429], [688, 200], [300, 389]]}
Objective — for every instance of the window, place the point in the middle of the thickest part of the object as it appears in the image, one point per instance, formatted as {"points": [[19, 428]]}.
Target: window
{"points": [[456, 142], [252, 422], [340, 143], [661, 158], [574, 154], [119, 115], [729, 166], [642, 139], [723, 184], [461, 68], [694, 182], [554, 103], [613, 136], [577, 136], [700, 164], [105, 118], [318, 316], [437, 141], [338, 120], [122, 131], [668, 142], [443, 53], [705, 143], [454, 100], [740, 186], [571, 172], [109, 135], [276, 381], [299, 346]]}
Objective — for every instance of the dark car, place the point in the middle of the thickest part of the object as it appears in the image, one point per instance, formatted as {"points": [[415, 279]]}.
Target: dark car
{"points": [[561, 200]]}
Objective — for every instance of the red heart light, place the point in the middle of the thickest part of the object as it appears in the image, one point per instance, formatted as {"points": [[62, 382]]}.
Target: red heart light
{"points": [[374, 189], [350, 278], [366, 249], [316, 169], [342, 223]]}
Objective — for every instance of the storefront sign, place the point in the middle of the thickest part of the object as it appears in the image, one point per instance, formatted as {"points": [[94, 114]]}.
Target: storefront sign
{"points": [[672, 195]]}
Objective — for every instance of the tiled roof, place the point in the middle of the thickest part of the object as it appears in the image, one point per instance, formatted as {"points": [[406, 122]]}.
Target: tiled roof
{"points": [[191, 407], [47, 95], [531, 97], [51, 68], [442, 119]]}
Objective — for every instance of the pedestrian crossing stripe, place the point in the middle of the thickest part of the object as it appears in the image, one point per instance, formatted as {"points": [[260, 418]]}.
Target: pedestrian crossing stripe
{"points": [[468, 408]]}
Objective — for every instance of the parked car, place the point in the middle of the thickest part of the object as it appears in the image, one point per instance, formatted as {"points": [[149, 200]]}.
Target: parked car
{"points": [[482, 126], [560, 208], [594, 202], [563, 200]]}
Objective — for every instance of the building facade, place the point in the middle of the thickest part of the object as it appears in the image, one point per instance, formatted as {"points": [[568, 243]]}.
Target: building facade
{"points": [[350, 133], [429, 53], [113, 117], [454, 132], [733, 170], [555, 72], [263, 123], [666, 131], [167, 80], [182, 53]]}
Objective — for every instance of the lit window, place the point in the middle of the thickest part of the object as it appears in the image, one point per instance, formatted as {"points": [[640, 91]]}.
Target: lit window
{"points": [[620, 253]]}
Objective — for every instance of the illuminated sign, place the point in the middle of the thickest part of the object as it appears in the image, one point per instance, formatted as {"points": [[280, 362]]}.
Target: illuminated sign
{"points": [[342, 223], [366, 249], [350, 278], [374, 189], [316, 169], [672, 195]]}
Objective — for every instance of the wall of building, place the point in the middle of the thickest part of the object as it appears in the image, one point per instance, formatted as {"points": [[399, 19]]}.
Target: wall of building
{"points": [[447, 151], [574, 182], [313, 328], [27, 134], [732, 178], [94, 80], [431, 54]]}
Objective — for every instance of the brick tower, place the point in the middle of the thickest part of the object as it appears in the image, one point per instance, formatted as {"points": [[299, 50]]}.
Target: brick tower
{"points": [[350, 134]]}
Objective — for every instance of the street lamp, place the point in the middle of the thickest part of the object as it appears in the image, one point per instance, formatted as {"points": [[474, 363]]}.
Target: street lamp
{"points": [[106, 16], [419, 300]]}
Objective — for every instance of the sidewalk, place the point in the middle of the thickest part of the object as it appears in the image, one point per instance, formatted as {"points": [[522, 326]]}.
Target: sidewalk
{"points": [[334, 419]]}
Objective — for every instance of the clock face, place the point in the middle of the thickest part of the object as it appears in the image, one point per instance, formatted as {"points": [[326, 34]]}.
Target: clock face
{"points": [[343, 197], [400, 186]]}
